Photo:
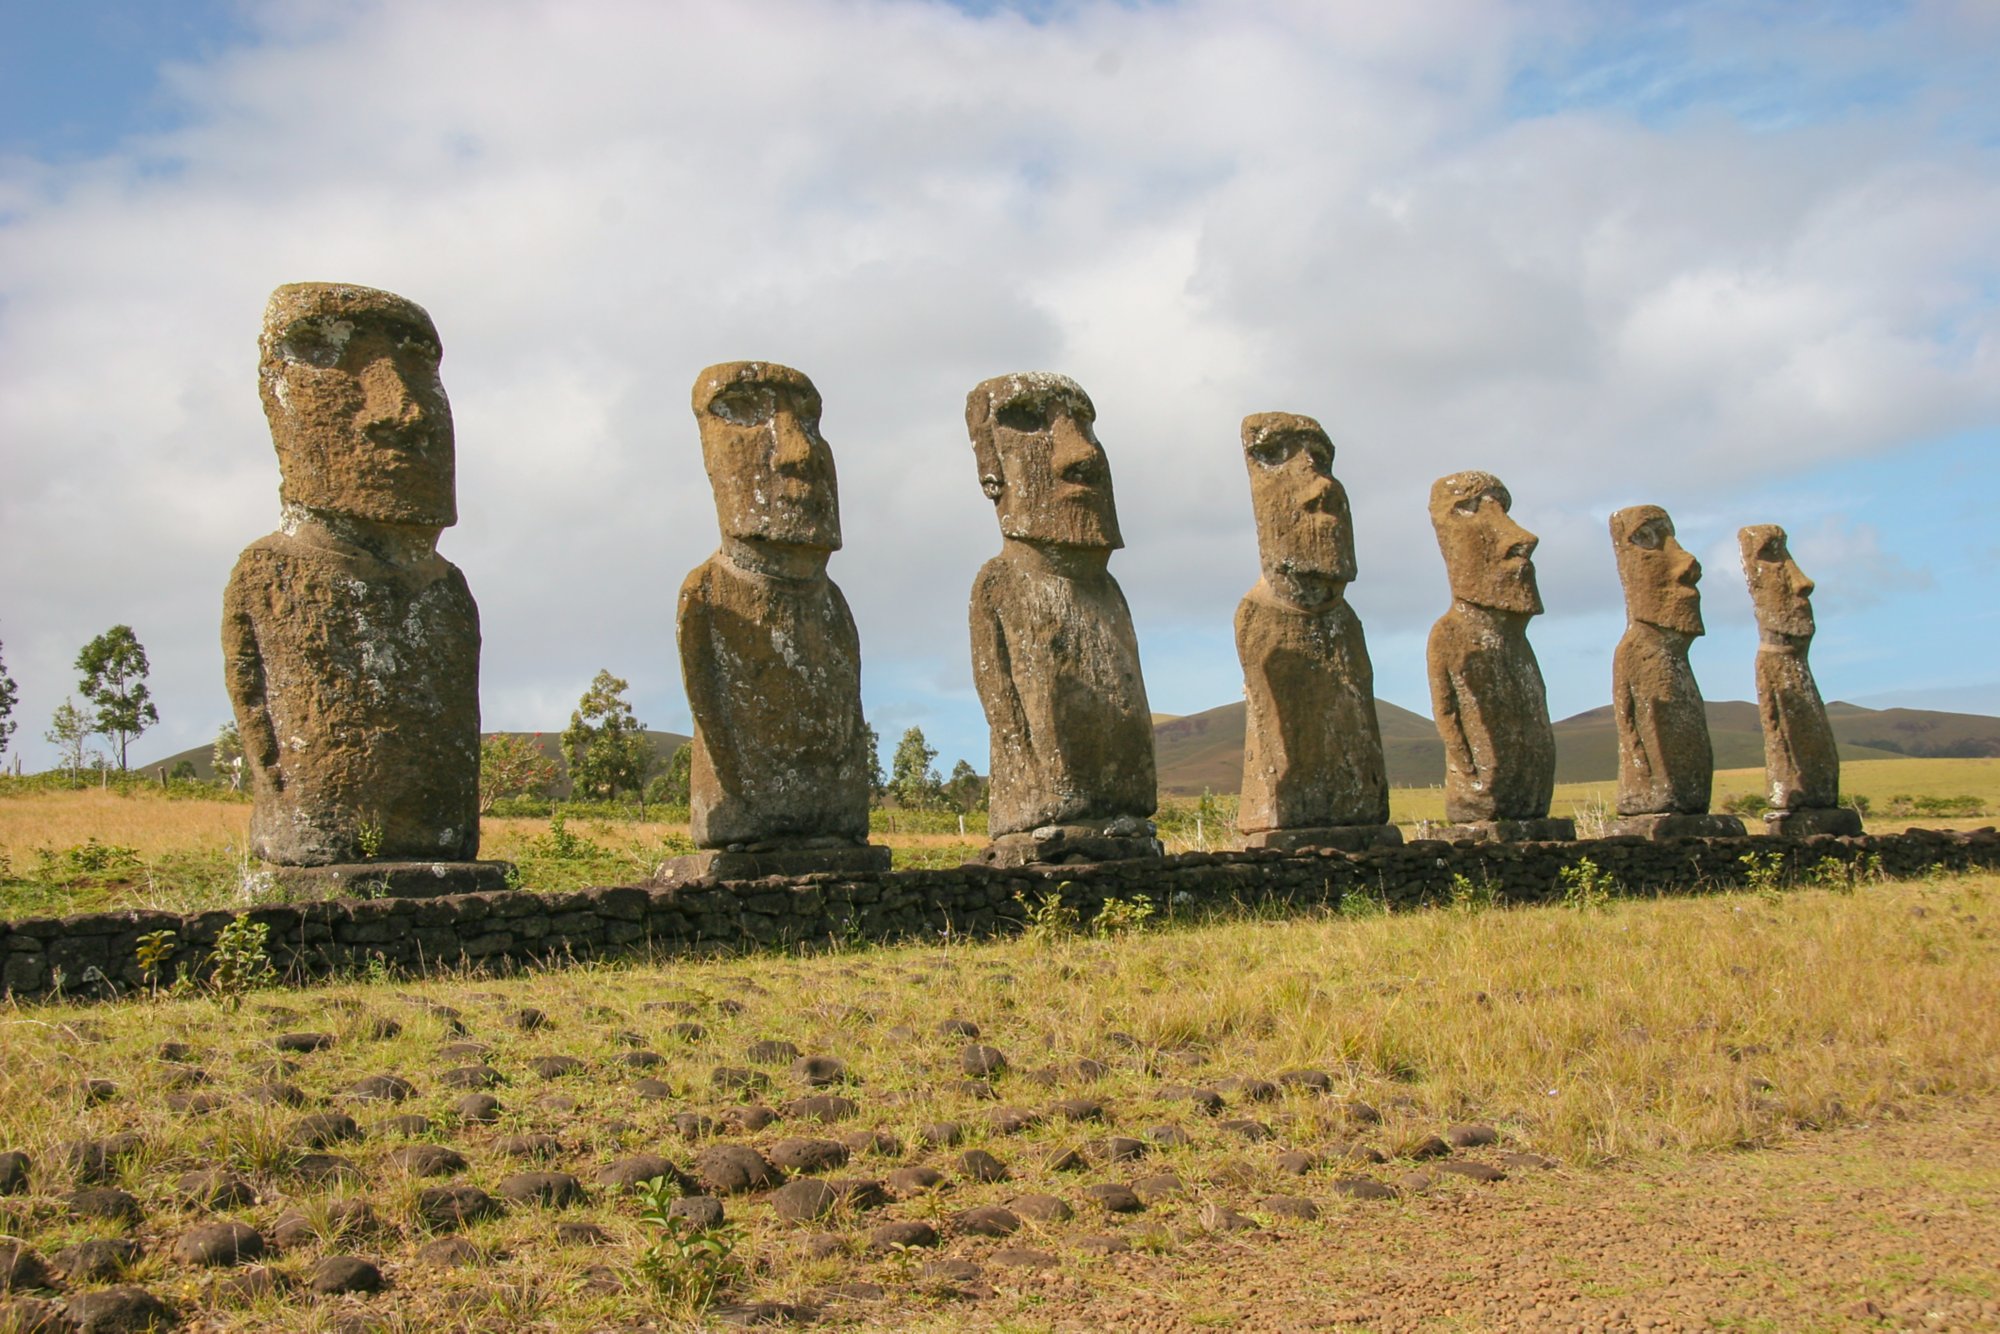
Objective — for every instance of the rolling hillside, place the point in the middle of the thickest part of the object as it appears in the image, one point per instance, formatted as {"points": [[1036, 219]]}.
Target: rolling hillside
{"points": [[1205, 750]]}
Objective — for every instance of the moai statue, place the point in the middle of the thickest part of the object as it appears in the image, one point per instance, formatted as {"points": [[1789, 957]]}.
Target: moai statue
{"points": [[1666, 766], [1053, 650], [779, 780], [1313, 775], [1801, 760], [1486, 687], [350, 646]]}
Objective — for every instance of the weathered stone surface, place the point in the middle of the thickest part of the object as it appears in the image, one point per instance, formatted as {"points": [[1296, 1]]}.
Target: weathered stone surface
{"points": [[1486, 687], [1312, 751], [121, 1310], [350, 647], [392, 879], [769, 652], [1666, 765], [224, 1243], [1054, 654], [1801, 759]]}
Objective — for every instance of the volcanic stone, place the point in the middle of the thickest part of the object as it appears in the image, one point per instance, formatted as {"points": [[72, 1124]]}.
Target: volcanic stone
{"points": [[979, 1060], [215, 1189], [1312, 754], [808, 1155], [630, 1173], [914, 1180], [1160, 1186], [443, 1208], [106, 1202], [345, 1273], [804, 1200], [555, 1189], [769, 653], [819, 1071], [448, 1253], [1361, 1188], [1054, 654], [906, 1234], [222, 1243], [1486, 687], [878, 1142], [1471, 1135], [1041, 1209], [121, 1310], [979, 1165], [98, 1259], [987, 1221], [529, 1146], [302, 1041], [13, 1172], [320, 1129], [21, 1268], [477, 1108], [1114, 1198], [729, 1169], [555, 1067], [350, 647], [426, 1160], [700, 1210], [772, 1051]]}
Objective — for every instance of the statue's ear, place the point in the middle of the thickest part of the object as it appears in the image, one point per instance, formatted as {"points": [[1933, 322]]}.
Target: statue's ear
{"points": [[991, 485]]}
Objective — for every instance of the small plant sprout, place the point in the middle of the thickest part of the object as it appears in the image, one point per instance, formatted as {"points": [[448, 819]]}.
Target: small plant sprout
{"points": [[1049, 917], [238, 962], [152, 951], [1117, 915], [368, 836], [1585, 887], [686, 1264]]}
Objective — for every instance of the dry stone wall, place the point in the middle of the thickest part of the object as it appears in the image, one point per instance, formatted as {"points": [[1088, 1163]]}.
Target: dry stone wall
{"points": [[92, 957]]}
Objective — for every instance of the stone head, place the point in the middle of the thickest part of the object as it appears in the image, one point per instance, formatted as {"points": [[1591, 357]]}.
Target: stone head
{"points": [[1304, 527], [349, 379], [1034, 439], [1487, 556], [1660, 575], [770, 468], [1779, 589]]}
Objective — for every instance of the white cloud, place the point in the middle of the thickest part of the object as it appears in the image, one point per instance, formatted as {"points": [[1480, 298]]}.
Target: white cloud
{"points": [[1200, 211]]}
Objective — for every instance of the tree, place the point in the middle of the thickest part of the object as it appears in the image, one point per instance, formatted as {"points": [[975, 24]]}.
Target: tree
{"points": [[965, 790], [911, 777], [510, 765], [114, 671], [228, 756], [69, 732], [673, 787], [604, 745], [8, 695], [878, 785]]}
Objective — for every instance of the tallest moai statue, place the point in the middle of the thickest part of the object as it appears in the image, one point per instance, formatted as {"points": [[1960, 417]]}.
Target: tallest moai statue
{"points": [[350, 646]]}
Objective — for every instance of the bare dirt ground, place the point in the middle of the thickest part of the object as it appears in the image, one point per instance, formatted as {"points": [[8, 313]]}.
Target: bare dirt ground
{"points": [[1892, 1225]]}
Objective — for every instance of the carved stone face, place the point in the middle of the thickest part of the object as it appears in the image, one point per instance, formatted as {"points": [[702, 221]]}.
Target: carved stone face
{"points": [[771, 470], [1304, 528], [1039, 460], [1779, 589], [1659, 574], [1487, 556], [349, 379]]}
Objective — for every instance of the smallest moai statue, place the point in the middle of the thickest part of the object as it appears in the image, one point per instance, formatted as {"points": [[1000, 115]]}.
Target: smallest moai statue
{"points": [[1486, 687], [1801, 759], [769, 653], [350, 646], [1666, 765], [1313, 775]]}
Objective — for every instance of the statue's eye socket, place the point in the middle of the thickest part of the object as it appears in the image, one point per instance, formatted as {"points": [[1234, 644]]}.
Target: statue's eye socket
{"points": [[744, 407], [1468, 507], [1025, 415], [420, 346], [1272, 450], [311, 348]]}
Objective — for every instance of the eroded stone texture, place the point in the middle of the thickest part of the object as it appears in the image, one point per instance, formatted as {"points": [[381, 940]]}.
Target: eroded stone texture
{"points": [[1054, 654], [1801, 759], [1486, 687], [1313, 774], [1666, 766], [350, 646], [769, 653]]}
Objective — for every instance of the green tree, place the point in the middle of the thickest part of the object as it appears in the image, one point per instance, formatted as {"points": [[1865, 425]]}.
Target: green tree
{"points": [[965, 790], [8, 695], [673, 787], [511, 765], [114, 671], [227, 757], [604, 745], [878, 783], [69, 732], [911, 777]]}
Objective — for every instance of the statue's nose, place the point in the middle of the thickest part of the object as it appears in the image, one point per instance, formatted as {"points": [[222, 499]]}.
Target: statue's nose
{"points": [[792, 446], [389, 399], [1077, 457]]}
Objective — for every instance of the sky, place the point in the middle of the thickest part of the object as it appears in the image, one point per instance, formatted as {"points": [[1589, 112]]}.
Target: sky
{"points": [[1732, 259]]}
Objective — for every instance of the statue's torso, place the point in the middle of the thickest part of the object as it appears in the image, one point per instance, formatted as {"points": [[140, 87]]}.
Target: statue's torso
{"points": [[1056, 661], [1665, 761], [1504, 712], [370, 681], [1312, 752], [779, 750], [1801, 758]]}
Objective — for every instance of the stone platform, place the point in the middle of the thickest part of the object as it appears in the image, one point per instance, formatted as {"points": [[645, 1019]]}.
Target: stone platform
{"points": [[1072, 844], [1345, 837], [1507, 831], [1842, 821], [391, 880], [1675, 825], [722, 864]]}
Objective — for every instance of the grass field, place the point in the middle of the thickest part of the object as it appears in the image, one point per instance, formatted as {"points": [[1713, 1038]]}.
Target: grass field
{"points": [[64, 851], [1648, 1031]]}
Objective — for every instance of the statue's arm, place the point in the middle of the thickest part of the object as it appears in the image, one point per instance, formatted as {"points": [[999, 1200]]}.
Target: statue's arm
{"points": [[243, 675], [708, 699], [1446, 685], [993, 674], [1635, 721]]}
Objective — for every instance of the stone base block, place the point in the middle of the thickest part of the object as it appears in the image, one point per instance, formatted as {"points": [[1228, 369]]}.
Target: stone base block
{"points": [[721, 864], [1843, 820], [391, 880], [1070, 844], [1345, 837], [1507, 831], [1674, 825]]}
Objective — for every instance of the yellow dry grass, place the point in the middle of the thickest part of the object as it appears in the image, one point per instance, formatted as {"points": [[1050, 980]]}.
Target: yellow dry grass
{"points": [[149, 824]]}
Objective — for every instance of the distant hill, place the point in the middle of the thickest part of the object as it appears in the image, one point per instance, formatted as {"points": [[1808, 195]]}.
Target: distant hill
{"points": [[1204, 751], [664, 745]]}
